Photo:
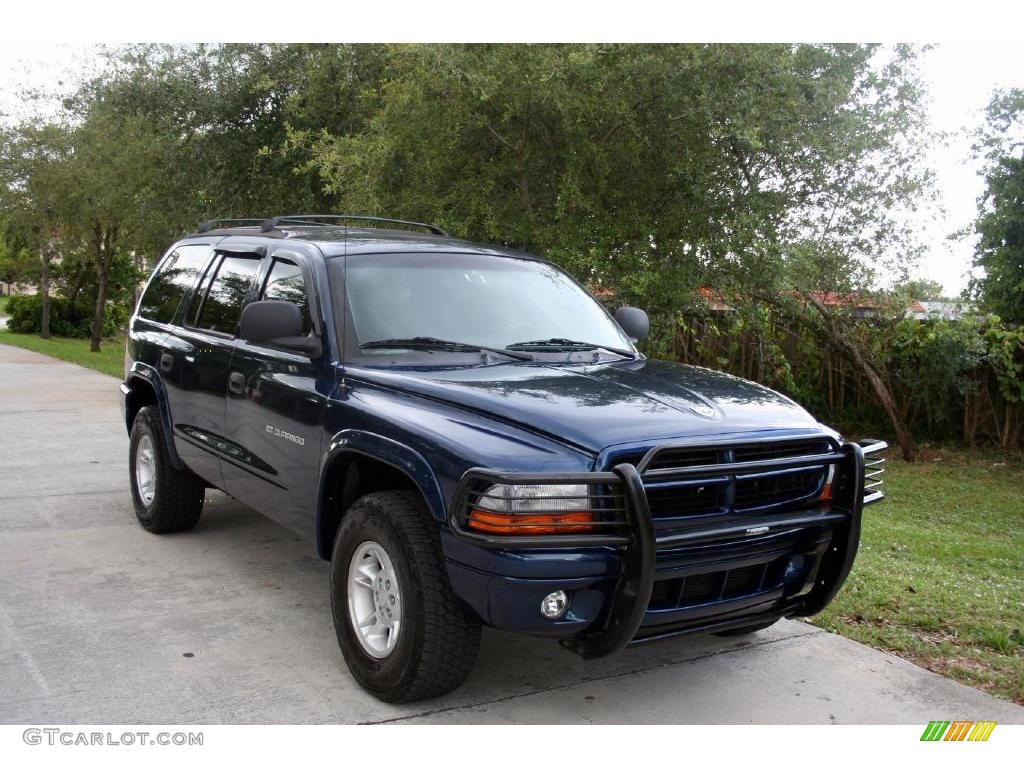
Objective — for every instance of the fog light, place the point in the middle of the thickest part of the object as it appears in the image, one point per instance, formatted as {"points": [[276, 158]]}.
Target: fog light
{"points": [[794, 570], [554, 605]]}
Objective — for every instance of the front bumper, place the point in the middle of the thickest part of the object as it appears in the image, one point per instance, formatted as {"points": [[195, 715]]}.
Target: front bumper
{"points": [[634, 583]]}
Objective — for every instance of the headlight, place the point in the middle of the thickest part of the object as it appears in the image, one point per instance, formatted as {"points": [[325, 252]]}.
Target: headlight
{"points": [[530, 510], [535, 498], [826, 492]]}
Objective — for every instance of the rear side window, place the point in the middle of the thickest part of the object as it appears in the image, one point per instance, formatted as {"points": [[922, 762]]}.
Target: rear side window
{"points": [[172, 281], [222, 305], [285, 283]]}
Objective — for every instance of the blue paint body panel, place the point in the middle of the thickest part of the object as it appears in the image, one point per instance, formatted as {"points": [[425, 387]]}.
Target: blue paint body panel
{"points": [[435, 423]]}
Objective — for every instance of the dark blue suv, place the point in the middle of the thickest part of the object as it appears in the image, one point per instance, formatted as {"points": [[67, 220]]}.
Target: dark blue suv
{"points": [[470, 438]]}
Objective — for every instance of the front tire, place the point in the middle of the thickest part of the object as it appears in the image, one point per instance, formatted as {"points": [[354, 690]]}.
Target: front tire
{"points": [[166, 499], [403, 634]]}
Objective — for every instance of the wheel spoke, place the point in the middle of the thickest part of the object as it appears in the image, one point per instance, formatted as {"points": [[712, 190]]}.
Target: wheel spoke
{"points": [[369, 570], [145, 469], [374, 599]]}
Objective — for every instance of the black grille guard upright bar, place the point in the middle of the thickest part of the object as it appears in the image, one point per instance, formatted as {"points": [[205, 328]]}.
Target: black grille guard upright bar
{"points": [[633, 591], [628, 604], [836, 565]]}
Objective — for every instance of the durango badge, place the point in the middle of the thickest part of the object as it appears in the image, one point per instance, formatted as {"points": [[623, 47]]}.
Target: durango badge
{"points": [[285, 435]]}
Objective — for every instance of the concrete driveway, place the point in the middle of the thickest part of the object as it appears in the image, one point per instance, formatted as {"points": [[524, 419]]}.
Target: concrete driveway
{"points": [[101, 622]]}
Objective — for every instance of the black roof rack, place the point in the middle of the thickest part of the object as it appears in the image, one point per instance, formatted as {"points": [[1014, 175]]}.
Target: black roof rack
{"points": [[310, 220], [206, 226]]}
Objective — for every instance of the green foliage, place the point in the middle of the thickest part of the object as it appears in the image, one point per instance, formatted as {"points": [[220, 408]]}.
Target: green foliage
{"points": [[765, 171], [933, 368], [935, 364], [17, 265], [1000, 223], [921, 289], [1000, 250], [66, 319], [1005, 354], [652, 169]]}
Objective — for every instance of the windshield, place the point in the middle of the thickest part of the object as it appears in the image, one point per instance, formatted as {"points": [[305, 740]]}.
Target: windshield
{"points": [[473, 299]]}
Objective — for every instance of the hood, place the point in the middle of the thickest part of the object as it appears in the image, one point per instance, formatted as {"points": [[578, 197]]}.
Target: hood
{"points": [[599, 405]]}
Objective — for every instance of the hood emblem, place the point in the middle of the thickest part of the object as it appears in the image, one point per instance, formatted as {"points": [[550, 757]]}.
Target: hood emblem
{"points": [[702, 409]]}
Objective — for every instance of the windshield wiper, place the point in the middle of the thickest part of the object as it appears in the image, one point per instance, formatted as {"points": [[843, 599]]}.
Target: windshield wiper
{"points": [[429, 342], [565, 345]]}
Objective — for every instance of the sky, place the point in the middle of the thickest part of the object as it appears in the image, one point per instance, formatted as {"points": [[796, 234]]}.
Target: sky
{"points": [[960, 79]]}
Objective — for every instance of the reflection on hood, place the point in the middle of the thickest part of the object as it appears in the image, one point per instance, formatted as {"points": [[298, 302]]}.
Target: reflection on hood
{"points": [[599, 405]]}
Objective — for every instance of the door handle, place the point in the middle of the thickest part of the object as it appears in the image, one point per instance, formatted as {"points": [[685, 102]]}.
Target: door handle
{"points": [[236, 382], [166, 362]]}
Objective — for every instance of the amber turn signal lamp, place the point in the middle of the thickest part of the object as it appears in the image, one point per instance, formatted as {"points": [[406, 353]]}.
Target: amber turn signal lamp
{"points": [[531, 524]]}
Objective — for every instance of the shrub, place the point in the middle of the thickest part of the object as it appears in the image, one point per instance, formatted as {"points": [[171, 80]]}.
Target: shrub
{"points": [[66, 319]]}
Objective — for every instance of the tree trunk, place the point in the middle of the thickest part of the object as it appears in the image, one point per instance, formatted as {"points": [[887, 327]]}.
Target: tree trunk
{"points": [[831, 385], [850, 350], [97, 317], [44, 290], [1008, 408], [76, 287], [995, 415], [970, 417], [140, 266], [103, 247]]}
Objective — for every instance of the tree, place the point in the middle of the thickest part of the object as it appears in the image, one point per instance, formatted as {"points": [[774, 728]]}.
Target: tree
{"points": [[16, 262], [768, 170], [777, 173], [921, 289], [999, 254], [34, 186]]}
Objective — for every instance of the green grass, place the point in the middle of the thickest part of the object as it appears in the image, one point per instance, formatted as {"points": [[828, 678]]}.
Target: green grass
{"points": [[940, 575], [109, 360]]}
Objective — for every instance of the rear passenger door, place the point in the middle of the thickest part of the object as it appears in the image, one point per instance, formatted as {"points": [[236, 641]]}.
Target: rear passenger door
{"points": [[161, 303], [277, 402], [200, 352]]}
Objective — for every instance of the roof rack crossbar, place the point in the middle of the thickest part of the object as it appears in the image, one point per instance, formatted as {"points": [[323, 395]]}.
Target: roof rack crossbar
{"points": [[308, 219], [206, 226]]}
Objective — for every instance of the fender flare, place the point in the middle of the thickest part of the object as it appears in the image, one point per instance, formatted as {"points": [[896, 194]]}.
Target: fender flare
{"points": [[148, 374], [388, 451]]}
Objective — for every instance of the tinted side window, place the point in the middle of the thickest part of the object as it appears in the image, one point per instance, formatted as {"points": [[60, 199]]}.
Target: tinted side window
{"points": [[176, 276], [222, 305], [285, 283]]}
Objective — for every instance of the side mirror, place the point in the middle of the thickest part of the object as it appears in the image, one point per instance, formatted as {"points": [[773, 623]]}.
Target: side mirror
{"points": [[278, 324], [634, 322]]}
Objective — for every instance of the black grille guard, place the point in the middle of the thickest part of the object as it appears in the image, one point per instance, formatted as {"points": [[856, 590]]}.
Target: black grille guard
{"points": [[629, 527]]}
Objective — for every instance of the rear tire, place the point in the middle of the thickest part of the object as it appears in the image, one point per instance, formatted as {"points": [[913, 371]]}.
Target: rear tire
{"points": [[403, 633], [166, 499], [748, 630]]}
